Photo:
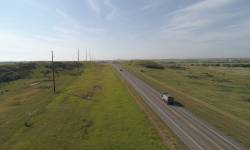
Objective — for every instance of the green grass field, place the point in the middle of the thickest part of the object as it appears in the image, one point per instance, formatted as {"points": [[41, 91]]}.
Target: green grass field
{"points": [[94, 110], [218, 95]]}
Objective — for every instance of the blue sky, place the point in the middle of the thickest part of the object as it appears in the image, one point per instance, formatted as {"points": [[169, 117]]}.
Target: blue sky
{"points": [[125, 29]]}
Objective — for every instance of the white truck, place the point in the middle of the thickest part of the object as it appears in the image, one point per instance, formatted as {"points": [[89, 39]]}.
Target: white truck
{"points": [[167, 98]]}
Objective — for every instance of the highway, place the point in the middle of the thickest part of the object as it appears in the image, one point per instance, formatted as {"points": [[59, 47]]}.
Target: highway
{"points": [[193, 132]]}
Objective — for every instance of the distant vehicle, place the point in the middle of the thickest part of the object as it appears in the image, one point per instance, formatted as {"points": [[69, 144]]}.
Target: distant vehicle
{"points": [[121, 70], [167, 98]]}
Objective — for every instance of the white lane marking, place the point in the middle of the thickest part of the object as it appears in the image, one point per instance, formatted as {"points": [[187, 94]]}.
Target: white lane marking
{"points": [[191, 125], [204, 125], [223, 138], [164, 114]]}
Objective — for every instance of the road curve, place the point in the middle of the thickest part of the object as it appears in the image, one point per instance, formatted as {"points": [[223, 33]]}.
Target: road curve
{"points": [[195, 134]]}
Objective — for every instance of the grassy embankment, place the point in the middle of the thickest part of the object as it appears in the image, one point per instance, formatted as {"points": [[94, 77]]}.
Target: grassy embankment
{"points": [[93, 110], [219, 95]]}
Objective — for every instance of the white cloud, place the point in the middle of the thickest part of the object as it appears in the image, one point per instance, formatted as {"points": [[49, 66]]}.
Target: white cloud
{"points": [[103, 8], [197, 15], [95, 7], [118, 30], [16, 46], [192, 23], [64, 34], [67, 19], [37, 5], [70, 26], [207, 5], [112, 9], [204, 29], [150, 4], [20, 47]]}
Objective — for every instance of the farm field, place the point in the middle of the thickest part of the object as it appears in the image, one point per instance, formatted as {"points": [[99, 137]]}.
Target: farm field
{"points": [[219, 95], [90, 110]]}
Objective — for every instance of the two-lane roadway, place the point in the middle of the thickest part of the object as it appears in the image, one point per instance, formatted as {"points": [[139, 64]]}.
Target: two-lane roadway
{"points": [[195, 134]]}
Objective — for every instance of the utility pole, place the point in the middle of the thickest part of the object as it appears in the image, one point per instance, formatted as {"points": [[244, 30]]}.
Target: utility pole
{"points": [[90, 56], [86, 55], [93, 57], [83, 56], [53, 71], [78, 61]]}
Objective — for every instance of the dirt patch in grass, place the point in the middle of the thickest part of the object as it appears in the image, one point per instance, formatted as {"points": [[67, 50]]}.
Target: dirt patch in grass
{"points": [[16, 103], [3, 91], [97, 87], [86, 124], [90, 94], [35, 83], [199, 76], [193, 76], [221, 80], [87, 95], [44, 87]]}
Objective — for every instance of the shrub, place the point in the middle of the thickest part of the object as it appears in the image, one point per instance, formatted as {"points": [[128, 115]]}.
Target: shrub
{"points": [[151, 64], [60, 66], [14, 72], [237, 65], [28, 124]]}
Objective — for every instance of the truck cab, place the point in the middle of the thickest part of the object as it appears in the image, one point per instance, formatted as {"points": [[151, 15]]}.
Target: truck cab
{"points": [[167, 98]]}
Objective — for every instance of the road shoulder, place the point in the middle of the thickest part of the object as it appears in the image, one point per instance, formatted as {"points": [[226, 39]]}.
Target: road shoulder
{"points": [[169, 139]]}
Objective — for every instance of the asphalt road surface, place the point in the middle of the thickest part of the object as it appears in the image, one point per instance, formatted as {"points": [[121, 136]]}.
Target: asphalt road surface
{"points": [[194, 133]]}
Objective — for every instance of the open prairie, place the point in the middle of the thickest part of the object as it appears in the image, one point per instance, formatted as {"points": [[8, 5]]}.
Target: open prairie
{"points": [[91, 109], [216, 92]]}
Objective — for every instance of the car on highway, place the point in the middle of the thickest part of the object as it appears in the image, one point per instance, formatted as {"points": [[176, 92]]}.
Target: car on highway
{"points": [[167, 98]]}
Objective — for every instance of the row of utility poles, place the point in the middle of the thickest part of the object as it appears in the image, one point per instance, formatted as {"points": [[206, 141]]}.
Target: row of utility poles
{"points": [[91, 58]]}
